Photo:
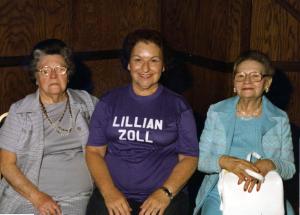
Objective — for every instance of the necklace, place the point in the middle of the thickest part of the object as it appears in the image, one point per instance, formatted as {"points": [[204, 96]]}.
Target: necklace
{"points": [[55, 125], [245, 115]]}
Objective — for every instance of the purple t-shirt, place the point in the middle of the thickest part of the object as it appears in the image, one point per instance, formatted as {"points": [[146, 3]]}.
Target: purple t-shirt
{"points": [[144, 135]]}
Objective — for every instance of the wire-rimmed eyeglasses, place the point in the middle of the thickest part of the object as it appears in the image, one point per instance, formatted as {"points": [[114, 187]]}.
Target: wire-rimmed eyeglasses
{"points": [[59, 70], [253, 76]]}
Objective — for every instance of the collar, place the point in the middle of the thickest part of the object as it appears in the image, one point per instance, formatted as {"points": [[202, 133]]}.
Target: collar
{"points": [[31, 104]]}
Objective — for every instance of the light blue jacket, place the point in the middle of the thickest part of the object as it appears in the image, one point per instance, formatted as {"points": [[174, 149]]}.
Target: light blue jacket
{"points": [[23, 134], [217, 136]]}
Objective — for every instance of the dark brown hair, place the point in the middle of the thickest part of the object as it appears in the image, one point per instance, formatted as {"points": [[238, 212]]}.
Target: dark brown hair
{"points": [[143, 35], [256, 56], [50, 47]]}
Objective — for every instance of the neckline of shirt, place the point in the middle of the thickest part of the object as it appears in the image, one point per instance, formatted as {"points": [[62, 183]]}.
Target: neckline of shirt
{"points": [[145, 98]]}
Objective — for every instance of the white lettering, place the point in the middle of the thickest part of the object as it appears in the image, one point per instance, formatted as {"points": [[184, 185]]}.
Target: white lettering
{"points": [[123, 132], [144, 122], [122, 121], [131, 135], [138, 137], [136, 122], [158, 124], [115, 122], [147, 138], [150, 124], [136, 125], [127, 124]]}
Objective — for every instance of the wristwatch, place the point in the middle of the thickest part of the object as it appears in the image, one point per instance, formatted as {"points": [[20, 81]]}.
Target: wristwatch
{"points": [[167, 192]]}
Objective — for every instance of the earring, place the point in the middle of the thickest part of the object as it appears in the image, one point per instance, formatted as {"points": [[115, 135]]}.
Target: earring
{"points": [[267, 89], [234, 90]]}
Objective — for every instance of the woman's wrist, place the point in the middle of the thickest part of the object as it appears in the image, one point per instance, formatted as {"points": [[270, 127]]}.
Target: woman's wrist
{"points": [[167, 192], [222, 159]]}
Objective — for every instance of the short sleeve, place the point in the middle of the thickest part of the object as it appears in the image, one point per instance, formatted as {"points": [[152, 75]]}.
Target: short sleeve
{"points": [[187, 143], [10, 131], [98, 125]]}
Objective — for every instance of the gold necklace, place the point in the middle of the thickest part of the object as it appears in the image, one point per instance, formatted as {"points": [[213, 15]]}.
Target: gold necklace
{"points": [[55, 125], [244, 114]]}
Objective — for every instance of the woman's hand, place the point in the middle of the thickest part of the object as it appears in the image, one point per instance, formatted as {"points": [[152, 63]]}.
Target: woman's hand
{"points": [[155, 204], [116, 203], [238, 166], [264, 166], [45, 204]]}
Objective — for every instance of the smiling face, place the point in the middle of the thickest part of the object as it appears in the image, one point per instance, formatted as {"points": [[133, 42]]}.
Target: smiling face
{"points": [[249, 89], [54, 84], [145, 66]]}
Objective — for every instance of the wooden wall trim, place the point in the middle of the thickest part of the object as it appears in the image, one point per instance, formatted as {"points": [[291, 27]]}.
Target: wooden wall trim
{"points": [[289, 8], [13, 61], [201, 61], [196, 60], [287, 65], [221, 66], [84, 56]]}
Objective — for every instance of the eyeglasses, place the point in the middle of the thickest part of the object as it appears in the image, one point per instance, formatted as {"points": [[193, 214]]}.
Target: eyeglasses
{"points": [[253, 76], [59, 70]]}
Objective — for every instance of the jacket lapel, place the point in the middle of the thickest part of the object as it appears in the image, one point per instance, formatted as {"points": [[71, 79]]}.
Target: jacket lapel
{"points": [[226, 113], [269, 113]]}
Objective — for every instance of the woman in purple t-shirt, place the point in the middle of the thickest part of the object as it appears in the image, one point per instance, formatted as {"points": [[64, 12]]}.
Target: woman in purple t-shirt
{"points": [[142, 147]]}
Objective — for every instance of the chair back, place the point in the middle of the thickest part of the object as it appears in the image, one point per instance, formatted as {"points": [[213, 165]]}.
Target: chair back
{"points": [[2, 118]]}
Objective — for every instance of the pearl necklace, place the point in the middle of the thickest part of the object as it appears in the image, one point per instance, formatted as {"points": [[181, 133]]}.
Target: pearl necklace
{"points": [[61, 131], [245, 115]]}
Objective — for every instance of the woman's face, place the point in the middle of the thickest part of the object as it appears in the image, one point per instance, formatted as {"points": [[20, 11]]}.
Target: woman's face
{"points": [[53, 84], [145, 66], [251, 87]]}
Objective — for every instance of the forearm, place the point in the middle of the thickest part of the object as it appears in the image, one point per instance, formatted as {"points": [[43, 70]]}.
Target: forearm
{"points": [[181, 174], [19, 182], [100, 173]]}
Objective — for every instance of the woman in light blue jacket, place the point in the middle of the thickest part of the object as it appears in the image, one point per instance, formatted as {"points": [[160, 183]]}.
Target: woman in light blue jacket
{"points": [[242, 124]]}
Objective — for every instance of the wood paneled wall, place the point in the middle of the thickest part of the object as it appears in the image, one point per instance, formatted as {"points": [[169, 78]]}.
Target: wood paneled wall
{"points": [[216, 29]]}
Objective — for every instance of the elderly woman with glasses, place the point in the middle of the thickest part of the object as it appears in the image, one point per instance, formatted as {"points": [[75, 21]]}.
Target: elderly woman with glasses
{"points": [[43, 140], [246, 123]]}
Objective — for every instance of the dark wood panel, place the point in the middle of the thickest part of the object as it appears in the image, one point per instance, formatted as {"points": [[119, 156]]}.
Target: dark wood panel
{"points": [[291, 7], [208, 87], [246, 20], [295, 4], [208, 28], [100, 25], [294, 102], [15, 84], [23, 23], [106, 75], [275, 31]]}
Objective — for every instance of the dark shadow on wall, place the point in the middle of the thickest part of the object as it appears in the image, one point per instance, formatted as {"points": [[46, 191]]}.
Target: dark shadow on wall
{"points": [[280, 94], [81, 79], [176, 77], [197, 178], [281, 90]]}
